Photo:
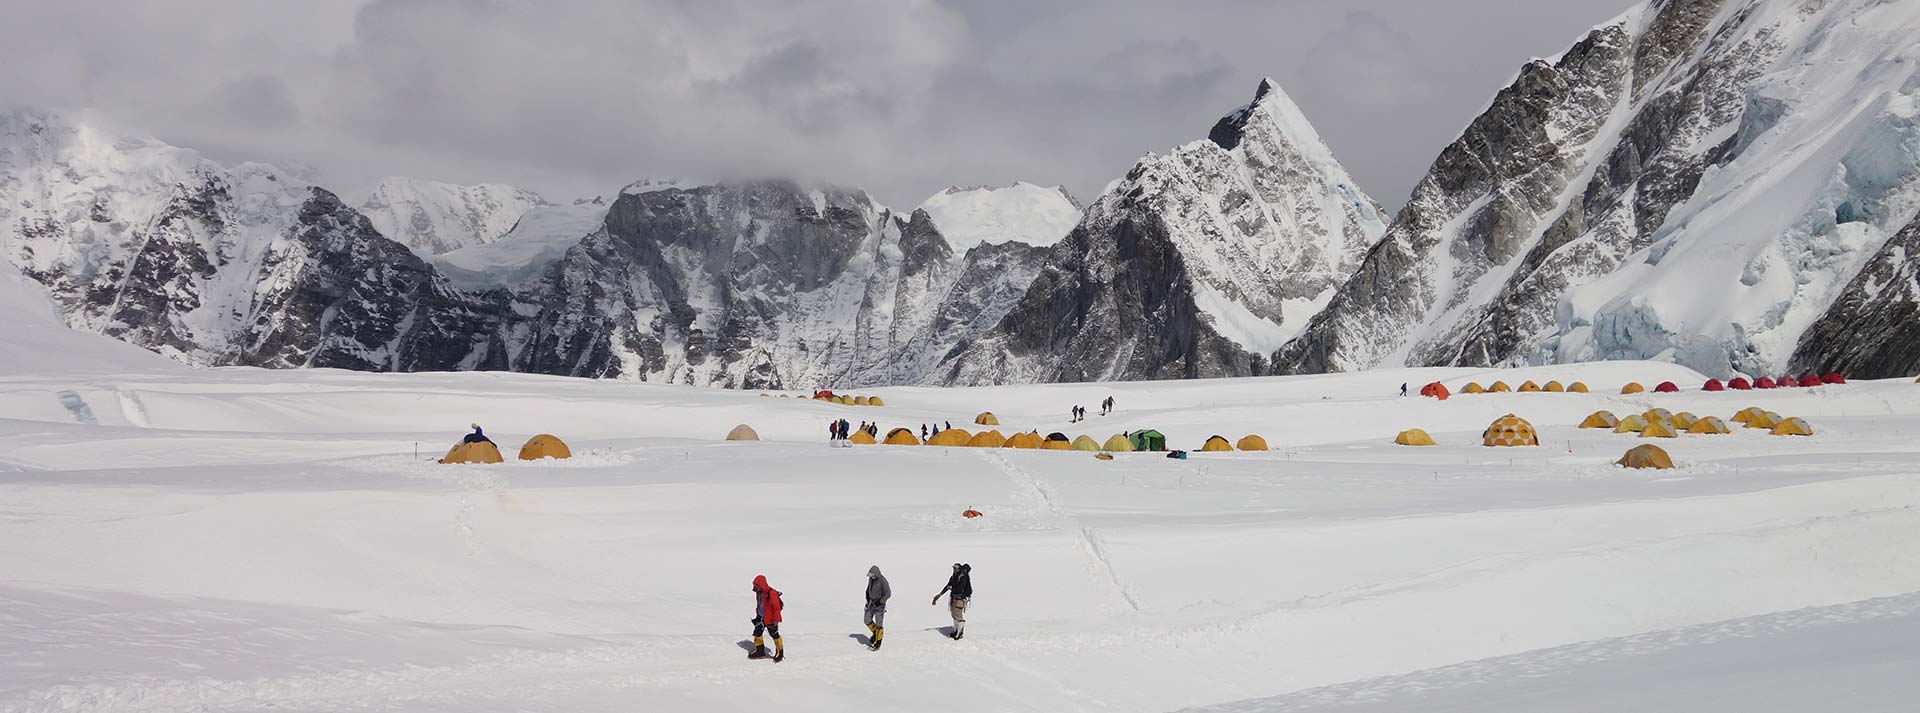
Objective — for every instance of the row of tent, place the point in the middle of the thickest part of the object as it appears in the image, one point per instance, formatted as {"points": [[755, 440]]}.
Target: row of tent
{"points": [[1142, 440], [536, 448], [846, 400], [1439, 391], [1767, 382], [1661, 423]]}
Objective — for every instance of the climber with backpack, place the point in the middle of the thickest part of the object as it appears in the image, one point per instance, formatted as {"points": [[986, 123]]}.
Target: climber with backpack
{"points": [[766, 620], [960, 588]]}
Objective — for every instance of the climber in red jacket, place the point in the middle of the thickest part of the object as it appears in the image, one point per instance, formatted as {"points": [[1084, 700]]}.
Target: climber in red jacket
{"points": [[766, 620]]}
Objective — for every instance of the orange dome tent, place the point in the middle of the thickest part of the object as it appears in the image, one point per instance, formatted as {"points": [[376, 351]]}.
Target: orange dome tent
{"points": [[545, 446], [477, 452], [1435, 390], [1510, 430]]}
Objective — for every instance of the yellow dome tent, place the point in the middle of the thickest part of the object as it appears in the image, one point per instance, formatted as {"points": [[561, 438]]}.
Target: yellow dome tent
{"points": [[1499, 387], [1746, 414], [902, 437], [1510, 430], [875, 401], [1600, 419], [1216, 444], [1053, 444], [1085, 442], [952, 438], [1474, 387], [1633, 423], [1795, 426], [1119, 443], [743, 432], [480, 452], [1647, 456], [1657, 414], [860, 400], [1577, 388], [861, 438], [1709, 426], [545, 446], [987, 439], [1763, 419], [1414, 437], [1529, 387], [986, 418], [1024, 440], [1683, 421], [1633, 388], [1554, 387], [1658, 429], [1252, 442]]}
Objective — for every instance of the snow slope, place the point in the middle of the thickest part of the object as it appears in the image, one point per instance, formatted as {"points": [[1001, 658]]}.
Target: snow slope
{"points": [[540, 237], [1696, 181], [433, 217], [1022, 212], [37, 342], [237, 539]]}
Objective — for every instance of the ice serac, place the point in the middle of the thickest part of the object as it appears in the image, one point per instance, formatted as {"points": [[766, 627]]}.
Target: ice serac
{"points": [[764, 284], [1694, 181], [433, 217], [1873, 330], [1197, 264], [156, 246]]}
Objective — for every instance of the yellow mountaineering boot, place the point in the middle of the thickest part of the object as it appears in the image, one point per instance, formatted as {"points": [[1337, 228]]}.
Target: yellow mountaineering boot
{"points": [[759, 649]]}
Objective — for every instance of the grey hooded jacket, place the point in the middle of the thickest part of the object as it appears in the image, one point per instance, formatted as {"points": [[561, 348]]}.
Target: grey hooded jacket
{"points": [[878, 591]]}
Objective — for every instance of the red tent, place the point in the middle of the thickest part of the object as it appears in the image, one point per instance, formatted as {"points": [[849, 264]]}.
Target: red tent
{"points": [[1833, 377], [823, 394], [1739, 383], [1714, 385], [1810, 380], [1435, 390], [1666, 387], [1765, 382], [1787, 382]]}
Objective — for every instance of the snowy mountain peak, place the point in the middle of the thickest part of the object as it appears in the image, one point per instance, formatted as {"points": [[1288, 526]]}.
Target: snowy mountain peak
{"points": [[1023, 212], [1196, 263], [433, 217]]}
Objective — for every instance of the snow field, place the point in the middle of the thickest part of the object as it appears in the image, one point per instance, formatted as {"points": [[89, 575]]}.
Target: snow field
{"points": [[238, 539]]}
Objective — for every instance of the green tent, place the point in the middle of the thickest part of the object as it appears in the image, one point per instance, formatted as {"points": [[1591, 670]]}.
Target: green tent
{"points": [[1148, 440]]}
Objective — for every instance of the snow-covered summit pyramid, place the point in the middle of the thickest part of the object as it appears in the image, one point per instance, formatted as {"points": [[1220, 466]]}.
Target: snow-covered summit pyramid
{"points": [[433, 217], [1196, 264], [1022, 212], [1697, 180]]}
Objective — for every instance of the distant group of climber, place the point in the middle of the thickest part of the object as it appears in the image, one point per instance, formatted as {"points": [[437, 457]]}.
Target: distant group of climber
{"points": [[768, 609], [1080, 412]]}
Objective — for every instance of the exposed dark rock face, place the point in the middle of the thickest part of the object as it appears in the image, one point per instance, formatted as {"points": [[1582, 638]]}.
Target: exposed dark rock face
{"points": [[1873, 330], [1602, 207]]}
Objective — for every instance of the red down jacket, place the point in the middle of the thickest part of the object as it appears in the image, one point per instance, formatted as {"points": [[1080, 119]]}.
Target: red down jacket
{"points": [[766, 600]]}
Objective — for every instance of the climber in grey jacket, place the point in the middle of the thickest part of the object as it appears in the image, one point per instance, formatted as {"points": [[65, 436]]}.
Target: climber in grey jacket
{"points": [[878, 592]]}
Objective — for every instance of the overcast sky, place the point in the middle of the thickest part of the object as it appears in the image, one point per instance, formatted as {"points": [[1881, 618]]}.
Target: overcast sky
{"points": [[901, 97]]}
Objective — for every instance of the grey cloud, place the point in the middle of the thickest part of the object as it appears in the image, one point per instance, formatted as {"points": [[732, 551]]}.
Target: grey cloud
{"points": [[902, 97]]}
